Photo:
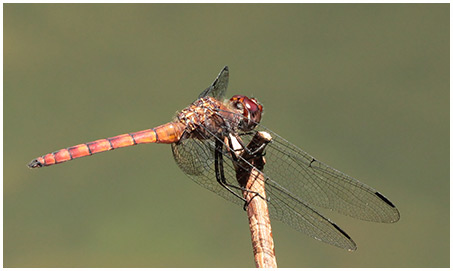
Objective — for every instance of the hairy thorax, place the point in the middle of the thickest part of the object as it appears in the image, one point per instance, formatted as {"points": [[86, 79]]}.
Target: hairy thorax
{"points": [[207, 117]]}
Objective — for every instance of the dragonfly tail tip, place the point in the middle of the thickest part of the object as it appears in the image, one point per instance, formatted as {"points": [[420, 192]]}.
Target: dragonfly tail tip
{"points": [[35, 164]]}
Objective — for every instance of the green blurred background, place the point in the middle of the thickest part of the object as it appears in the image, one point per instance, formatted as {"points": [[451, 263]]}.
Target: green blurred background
{"points": [[362, 87]]}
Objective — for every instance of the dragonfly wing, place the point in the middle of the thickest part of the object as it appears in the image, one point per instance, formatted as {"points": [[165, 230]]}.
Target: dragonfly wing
{"points": [[316, 183], [196, 158], [218, 88], [298, 215]]}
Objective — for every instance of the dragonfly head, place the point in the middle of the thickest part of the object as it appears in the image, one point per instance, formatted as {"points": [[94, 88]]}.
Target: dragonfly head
{"points": [[250, 109]]}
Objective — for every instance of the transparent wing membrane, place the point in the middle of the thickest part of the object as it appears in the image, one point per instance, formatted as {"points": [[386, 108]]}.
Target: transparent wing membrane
{"points": [[203, 172], [320, 185], [295, 181], [218, 88], [283, 205]]}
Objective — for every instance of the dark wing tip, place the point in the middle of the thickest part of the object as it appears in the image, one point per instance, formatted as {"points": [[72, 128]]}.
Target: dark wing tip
{"points": [[35, 164], [385, 199], [396, 216], [352, 246]]}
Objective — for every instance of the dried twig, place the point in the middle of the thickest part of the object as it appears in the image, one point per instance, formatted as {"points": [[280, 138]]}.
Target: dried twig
{"points": [[257, 211]]}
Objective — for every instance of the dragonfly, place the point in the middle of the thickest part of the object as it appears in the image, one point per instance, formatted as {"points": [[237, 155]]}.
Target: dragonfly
{"points": [[205, 137]]}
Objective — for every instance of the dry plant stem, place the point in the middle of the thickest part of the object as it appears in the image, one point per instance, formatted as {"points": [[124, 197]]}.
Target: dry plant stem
{"points": [[257, 211]]}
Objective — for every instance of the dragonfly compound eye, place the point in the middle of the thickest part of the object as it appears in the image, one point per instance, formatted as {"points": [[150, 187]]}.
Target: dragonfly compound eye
{"points": [[251, 110]]}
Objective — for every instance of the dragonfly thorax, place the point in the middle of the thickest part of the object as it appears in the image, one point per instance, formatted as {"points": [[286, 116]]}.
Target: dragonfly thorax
{"points": [[207, 117]]}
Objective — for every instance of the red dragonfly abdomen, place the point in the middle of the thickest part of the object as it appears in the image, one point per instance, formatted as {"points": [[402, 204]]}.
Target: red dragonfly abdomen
{"points": [[166, 133]]}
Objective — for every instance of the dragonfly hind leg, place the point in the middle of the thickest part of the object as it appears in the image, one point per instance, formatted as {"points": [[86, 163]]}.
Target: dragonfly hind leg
{"points": [[220, 177]]}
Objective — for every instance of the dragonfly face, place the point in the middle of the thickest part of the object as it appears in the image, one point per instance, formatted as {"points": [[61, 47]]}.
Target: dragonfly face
{"points": [[251, 110]]}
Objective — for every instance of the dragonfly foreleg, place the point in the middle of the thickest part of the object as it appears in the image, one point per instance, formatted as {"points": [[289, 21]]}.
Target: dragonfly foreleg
{"points": [[239, 147]]}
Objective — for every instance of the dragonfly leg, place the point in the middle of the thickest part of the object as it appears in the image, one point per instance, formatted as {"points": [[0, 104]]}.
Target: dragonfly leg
{"points": [[219, 172], [220, 176], [246, 204], [257, 152]]}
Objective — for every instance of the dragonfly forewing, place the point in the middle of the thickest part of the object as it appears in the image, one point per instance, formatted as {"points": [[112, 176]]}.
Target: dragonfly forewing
{"points": [[318, 184], [218, 88], [283, 205]]}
